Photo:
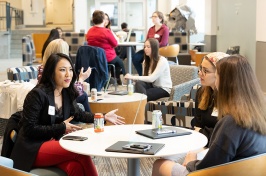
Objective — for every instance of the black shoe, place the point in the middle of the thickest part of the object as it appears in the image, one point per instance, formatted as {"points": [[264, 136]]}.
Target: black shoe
{"points": [[119, 82]]}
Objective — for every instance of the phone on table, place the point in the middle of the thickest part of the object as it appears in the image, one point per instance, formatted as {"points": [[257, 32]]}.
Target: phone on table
{"points": [[75, 138], [137, 147]]}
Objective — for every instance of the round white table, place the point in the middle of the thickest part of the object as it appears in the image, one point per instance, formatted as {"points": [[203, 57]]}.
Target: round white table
{"points": [[96, 143], [127, 106]]}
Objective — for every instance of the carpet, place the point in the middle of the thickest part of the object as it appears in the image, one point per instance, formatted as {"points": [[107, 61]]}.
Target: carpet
{"points": [[118, 166]]}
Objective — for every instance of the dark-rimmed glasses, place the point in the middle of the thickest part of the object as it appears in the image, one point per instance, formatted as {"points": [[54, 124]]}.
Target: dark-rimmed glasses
{"points": [[203, 70]]}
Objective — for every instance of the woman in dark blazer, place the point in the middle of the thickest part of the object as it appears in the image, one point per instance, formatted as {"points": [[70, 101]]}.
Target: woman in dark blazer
{"points": [[47, 112]]}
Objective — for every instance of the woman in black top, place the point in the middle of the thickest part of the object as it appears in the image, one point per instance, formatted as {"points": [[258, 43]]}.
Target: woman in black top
{"points": [[241, 128], [47, 112], [206, 111]]}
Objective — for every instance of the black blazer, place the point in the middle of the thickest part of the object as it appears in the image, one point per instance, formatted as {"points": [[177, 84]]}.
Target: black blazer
{"points": [[37, 126]]}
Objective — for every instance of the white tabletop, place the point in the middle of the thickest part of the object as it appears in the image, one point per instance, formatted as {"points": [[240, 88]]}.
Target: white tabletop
{"points": [[108, 98], [197, 44], [130, 43], [98, 142]]}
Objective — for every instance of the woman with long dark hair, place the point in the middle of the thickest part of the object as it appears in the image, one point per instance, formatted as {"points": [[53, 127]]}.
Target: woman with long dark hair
{"points": [[156, 81], [47, 112]]}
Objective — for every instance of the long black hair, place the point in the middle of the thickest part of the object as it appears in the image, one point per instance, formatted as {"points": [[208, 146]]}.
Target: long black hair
{"points": [[54, 34], [48, 75]]}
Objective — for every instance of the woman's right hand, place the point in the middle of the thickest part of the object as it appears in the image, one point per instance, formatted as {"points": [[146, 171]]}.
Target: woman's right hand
{"points": [[70, 127], [128, 76], [84, 75]]}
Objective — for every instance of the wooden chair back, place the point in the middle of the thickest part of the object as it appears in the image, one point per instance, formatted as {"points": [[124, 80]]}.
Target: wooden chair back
{"points": [[169, 51], [249, 166], [10, 171], [197, 56], [39, 39]]}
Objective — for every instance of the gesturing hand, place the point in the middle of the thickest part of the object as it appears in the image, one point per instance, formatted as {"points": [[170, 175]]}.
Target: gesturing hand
{"points": [[113, 118], [84, 75], [70, 127]]}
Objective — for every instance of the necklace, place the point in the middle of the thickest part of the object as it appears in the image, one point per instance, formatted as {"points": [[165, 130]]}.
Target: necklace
{"points": [[60, 93]]}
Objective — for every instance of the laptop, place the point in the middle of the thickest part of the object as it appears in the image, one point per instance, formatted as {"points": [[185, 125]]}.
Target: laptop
{"points": [[121, 146], [120, 92], [165, 132]]}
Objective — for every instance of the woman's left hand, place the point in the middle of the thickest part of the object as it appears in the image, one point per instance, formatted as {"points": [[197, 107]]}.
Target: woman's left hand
{"points": [[84, 75], [191, 156], [113, 118]]}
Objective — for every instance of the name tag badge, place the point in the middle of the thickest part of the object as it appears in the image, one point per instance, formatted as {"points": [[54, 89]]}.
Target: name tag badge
{"points": [[156, 36], [214, 112], [51, 110]]}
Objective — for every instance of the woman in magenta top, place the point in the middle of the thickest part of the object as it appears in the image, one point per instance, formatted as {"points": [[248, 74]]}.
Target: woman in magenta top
{"points": [[159, 31], [102, 37]]}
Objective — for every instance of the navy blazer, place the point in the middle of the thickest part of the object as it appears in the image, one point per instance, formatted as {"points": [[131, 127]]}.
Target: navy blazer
{"points": [[94, 57], [38, 126]]}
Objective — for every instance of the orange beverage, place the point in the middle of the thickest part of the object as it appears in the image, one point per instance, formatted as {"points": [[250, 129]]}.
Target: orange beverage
{"points": [[98, 122]]}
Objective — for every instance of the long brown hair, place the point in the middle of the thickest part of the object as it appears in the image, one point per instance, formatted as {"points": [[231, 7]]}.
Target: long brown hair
{"points": [[206, 94], [154, 56], [239, 94]]}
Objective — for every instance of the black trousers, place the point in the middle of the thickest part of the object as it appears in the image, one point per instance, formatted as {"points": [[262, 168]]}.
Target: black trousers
{"points": [[118, 66], [153, 93]]}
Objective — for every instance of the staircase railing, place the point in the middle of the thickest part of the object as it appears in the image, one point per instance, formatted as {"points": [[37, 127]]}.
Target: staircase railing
{"points": [[7, 13]]}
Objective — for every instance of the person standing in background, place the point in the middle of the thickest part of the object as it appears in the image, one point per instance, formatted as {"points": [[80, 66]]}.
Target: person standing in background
{"points": [[159, 31]]}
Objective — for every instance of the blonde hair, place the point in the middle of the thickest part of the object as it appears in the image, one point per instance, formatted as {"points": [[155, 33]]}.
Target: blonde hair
{"points": [[55, 46], [239, 94]]}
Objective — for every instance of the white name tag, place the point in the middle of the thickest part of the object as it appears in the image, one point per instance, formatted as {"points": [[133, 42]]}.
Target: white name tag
{"points": [[156, 36], [215, 112], [51, 110]]}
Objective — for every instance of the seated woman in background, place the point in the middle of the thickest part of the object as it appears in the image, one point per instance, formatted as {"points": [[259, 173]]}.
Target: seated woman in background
{"points": [[156, 82], [54, 34], [47, 112], [102, 37], [60, 31], [159, 31], [241, 129]]}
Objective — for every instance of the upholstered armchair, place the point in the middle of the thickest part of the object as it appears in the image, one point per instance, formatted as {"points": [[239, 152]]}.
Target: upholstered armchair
{"points": [[183, 78]]}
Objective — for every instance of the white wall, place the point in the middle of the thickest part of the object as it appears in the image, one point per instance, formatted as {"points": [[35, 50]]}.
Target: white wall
{"points": [[237, 26], [15, 3], [210, 17], [260, 21], [80, 15], [33, 15]]}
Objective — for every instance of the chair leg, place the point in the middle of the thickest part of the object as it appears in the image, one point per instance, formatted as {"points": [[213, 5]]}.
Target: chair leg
{"points": [[177, 63]]}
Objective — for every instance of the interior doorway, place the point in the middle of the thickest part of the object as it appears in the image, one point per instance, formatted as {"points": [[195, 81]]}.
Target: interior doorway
{"points": [[59, 12]]}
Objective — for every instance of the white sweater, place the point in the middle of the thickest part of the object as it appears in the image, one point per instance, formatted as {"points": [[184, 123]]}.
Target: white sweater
{"points": [[160, 77]]}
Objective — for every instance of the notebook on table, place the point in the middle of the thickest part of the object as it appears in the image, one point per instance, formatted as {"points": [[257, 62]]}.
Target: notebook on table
{"points": [[121, 146], [165, 132]]}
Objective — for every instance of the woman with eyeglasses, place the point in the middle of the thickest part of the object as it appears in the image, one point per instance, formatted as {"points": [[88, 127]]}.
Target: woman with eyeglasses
{"points": [[159, 31], [205, 103], [241, 130]]}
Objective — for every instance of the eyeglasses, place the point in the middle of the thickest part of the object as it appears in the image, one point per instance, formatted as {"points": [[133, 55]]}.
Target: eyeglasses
{"points": [[203, 71], [153, 16]]}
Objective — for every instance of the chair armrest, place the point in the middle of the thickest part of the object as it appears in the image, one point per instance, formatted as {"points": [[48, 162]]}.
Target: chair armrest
{"points": [[179, 90], [6, 162]]}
